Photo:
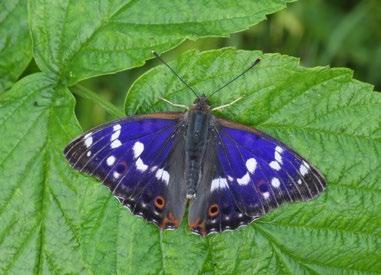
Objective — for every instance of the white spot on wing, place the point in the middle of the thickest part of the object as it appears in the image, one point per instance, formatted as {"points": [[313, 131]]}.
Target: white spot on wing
{"points": [[219, 183], [88, 153], [230, 178], [110, 160], [115, 144], [244, 180], [117, 127], [138, 149], [278, 157], [279, 149], [163, 175], [115, 135], [140, 165], [88, 140], [266, 195], [87, 135], [251, 165], [275, 165], [300, 181], [116, 175], [275, 182], [303, 169]]}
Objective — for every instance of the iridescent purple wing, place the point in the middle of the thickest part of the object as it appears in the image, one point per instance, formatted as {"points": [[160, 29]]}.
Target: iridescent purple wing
{"points": [[252, 174], [138, 159], [215, 207]]}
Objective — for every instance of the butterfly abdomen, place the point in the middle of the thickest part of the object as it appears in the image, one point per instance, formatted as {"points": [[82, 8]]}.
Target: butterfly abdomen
{"points": [[195, 146]]}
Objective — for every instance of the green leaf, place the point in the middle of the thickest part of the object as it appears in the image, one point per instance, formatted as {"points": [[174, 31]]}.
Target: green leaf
{"points": [[56, 220], [15, 43], [116, 35], [50, 215], [38, 208]]}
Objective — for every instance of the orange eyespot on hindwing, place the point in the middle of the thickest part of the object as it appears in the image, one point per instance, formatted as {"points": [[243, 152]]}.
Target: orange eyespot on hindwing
{"points": [[159, 202], [213, 210]]}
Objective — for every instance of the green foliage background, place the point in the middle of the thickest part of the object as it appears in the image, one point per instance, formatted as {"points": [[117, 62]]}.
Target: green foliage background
{"points": [[55, 220]]}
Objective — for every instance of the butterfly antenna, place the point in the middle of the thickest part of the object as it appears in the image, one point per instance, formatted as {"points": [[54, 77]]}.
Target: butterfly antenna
{"points": [[238, 76], [174, 72]]}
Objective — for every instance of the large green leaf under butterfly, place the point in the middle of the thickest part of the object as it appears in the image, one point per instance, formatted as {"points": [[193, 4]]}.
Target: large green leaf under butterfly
{"points": [[56, 220]]}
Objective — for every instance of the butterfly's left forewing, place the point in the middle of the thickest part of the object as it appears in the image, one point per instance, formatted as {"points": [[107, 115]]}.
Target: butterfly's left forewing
{"points": [[251, 174], [139, 160]]}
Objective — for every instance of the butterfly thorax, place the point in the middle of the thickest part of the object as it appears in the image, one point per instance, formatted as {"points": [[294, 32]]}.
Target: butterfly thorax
{"points": [[199, 117]]}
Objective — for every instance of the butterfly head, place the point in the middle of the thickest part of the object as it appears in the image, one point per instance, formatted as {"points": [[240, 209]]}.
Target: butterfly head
{"points": [[201, 103]]}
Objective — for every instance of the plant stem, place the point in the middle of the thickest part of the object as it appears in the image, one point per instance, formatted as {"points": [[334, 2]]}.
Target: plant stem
{"points": [[89, 94]]}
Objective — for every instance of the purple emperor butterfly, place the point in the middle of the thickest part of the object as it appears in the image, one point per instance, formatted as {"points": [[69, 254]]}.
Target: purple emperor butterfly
{"points": [[228, 173]]}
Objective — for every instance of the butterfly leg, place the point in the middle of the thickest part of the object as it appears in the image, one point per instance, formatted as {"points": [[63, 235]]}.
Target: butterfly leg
{"points": [[174, 104], [226, 105]]}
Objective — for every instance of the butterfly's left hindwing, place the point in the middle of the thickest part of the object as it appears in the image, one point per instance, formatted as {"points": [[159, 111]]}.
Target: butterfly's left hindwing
{"points": [[138, 159], [247, 174]]}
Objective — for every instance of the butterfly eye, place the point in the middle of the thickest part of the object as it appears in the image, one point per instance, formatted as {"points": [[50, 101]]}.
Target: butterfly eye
{"points": [[159, 202], [213, 210]]}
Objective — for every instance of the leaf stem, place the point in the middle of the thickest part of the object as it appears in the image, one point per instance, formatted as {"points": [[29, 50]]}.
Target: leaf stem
{"points": [[89, 94]]}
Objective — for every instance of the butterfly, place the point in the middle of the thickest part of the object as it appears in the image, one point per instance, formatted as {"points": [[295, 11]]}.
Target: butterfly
{"points": [[228, 174]]}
